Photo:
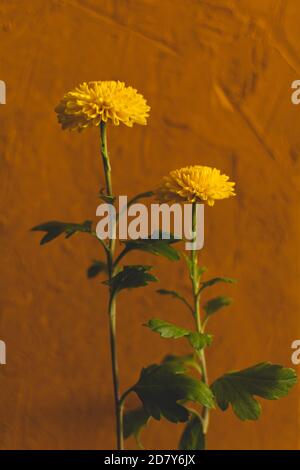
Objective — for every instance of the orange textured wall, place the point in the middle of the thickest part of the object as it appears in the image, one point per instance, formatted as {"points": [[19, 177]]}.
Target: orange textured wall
{"points": [[217, 74]]}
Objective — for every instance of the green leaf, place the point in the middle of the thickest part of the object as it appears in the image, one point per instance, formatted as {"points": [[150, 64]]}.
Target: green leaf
{"points": [[266, 380], [215, 304], [166, 330], [169, 330], [199, 340], [193, 437], [96, 268], [173, 293], [182, 362], [216, 280], [199, 269], [160, 387], [130, 277], [134, 422], [176, 295], [139, 196], [54, 228], [156, 247]]}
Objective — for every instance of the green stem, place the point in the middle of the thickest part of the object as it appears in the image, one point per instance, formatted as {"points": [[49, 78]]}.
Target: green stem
{"points": [[106, 248], [105, 158], [115, 374], [119, 258], [199, 326], [125, 394], [112, 301]]}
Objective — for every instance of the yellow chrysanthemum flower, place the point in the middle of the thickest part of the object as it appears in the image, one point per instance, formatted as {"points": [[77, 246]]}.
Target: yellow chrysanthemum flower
{"points": [[195, 184], [90, 103]]}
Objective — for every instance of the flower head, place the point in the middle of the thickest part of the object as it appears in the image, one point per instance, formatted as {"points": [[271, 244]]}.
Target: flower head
{"points": [[195, 184], [90, 103]]}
